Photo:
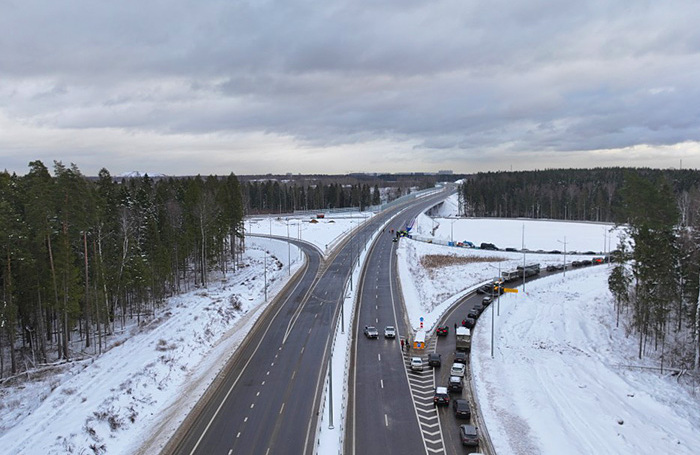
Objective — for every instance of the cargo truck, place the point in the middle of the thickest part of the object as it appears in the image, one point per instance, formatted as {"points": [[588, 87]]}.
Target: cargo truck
{"points": [[464, 339]]}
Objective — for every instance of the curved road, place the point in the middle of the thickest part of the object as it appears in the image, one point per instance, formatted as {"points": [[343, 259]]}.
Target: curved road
{"points": [[267, 401], [383, 416]]}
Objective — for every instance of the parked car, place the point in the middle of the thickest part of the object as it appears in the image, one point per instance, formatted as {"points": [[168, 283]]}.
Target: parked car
{"points": [[461, 357], [371, 331], [488, 246], [442, 331], [461, 408], [486, 301], [473, 314], [389, 332], [442, 397], [468, 323], [469, 435], [454, 384], [510, 249], [551, 268], [586, 262], [416, 364], [479, 307], [576, 264], [458, 369], [434, 360]]}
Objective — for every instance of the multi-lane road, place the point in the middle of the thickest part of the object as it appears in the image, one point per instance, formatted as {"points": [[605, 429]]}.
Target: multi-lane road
{"points": [[267, 401]]}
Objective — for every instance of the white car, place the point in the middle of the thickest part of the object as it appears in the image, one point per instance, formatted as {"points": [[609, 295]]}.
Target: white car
{"points": [[416, 364], [389, 332], [458, 369]]}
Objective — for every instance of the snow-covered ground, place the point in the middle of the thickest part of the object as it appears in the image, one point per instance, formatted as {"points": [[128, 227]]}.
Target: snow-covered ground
{"points": [[552, 385], [140, 390], [560, 380], [325, 232], [564, 379]]}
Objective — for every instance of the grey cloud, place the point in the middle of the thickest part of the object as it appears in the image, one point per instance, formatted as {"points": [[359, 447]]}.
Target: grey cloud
{"points": [[455, 76]]}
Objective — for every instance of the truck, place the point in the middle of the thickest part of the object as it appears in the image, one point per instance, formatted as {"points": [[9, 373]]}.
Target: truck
{"points": [[463, 339], [529, 270], [510, 275]]}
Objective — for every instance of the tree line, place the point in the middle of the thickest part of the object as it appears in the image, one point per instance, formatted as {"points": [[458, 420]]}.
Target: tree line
{"points": [[79, 256], [273, 196], [656, 273], [560, 194]]}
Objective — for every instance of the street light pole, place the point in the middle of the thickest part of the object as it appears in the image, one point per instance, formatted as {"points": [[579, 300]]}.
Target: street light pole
{"points": [[265, 273], [289, 251], [523, 257], [564, 243], [493, 326]]}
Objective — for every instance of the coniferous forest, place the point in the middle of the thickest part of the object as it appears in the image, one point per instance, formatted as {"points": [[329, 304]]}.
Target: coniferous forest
{"points": [[656, 270], [80, 255]]}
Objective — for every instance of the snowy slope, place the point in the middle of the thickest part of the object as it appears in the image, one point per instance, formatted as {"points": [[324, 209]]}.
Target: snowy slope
{"points": [[143, 386], [559, 381]]}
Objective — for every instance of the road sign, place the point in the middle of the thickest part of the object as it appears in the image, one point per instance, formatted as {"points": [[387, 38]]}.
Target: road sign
{"points": [[510, 290]]}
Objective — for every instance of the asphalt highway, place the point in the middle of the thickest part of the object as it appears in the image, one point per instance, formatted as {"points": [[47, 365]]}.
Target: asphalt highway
{"points": [[267, 400], [382, 416]]}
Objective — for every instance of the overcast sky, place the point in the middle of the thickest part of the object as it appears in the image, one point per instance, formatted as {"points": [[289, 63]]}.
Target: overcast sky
{"points": [[187, 87]]}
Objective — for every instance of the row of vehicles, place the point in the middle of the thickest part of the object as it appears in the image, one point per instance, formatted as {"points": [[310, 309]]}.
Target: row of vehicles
{"points": [[469, 435], [522, 271]]}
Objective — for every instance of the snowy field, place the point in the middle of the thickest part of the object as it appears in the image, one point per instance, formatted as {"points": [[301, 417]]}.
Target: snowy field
{"points": [[325, 232], [143, 386], [553, 383], [560, 381]]}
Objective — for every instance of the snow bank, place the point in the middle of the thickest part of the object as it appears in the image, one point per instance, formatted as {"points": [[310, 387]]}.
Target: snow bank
{"points": [[557, 384], [145, 384]]}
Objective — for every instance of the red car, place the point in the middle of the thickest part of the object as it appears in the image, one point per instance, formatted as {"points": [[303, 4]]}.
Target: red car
{"points": [[442, 331]]}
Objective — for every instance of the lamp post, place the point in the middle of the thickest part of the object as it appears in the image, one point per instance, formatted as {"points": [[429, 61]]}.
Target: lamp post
{"points": [[289, 251], [523, 248], [498, 303], [564, 243], [265, 273], [452, 237]]}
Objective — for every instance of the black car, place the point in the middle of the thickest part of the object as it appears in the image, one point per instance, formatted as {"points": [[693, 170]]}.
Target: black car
{"points": [[576, 264], [454, 384], [511, 249], [485, 289], [551, 268], [469, 435], [442, 397], [468, 323], [434, 360], [473, 314], [488, 246], [461, 357], [461, 409]]}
